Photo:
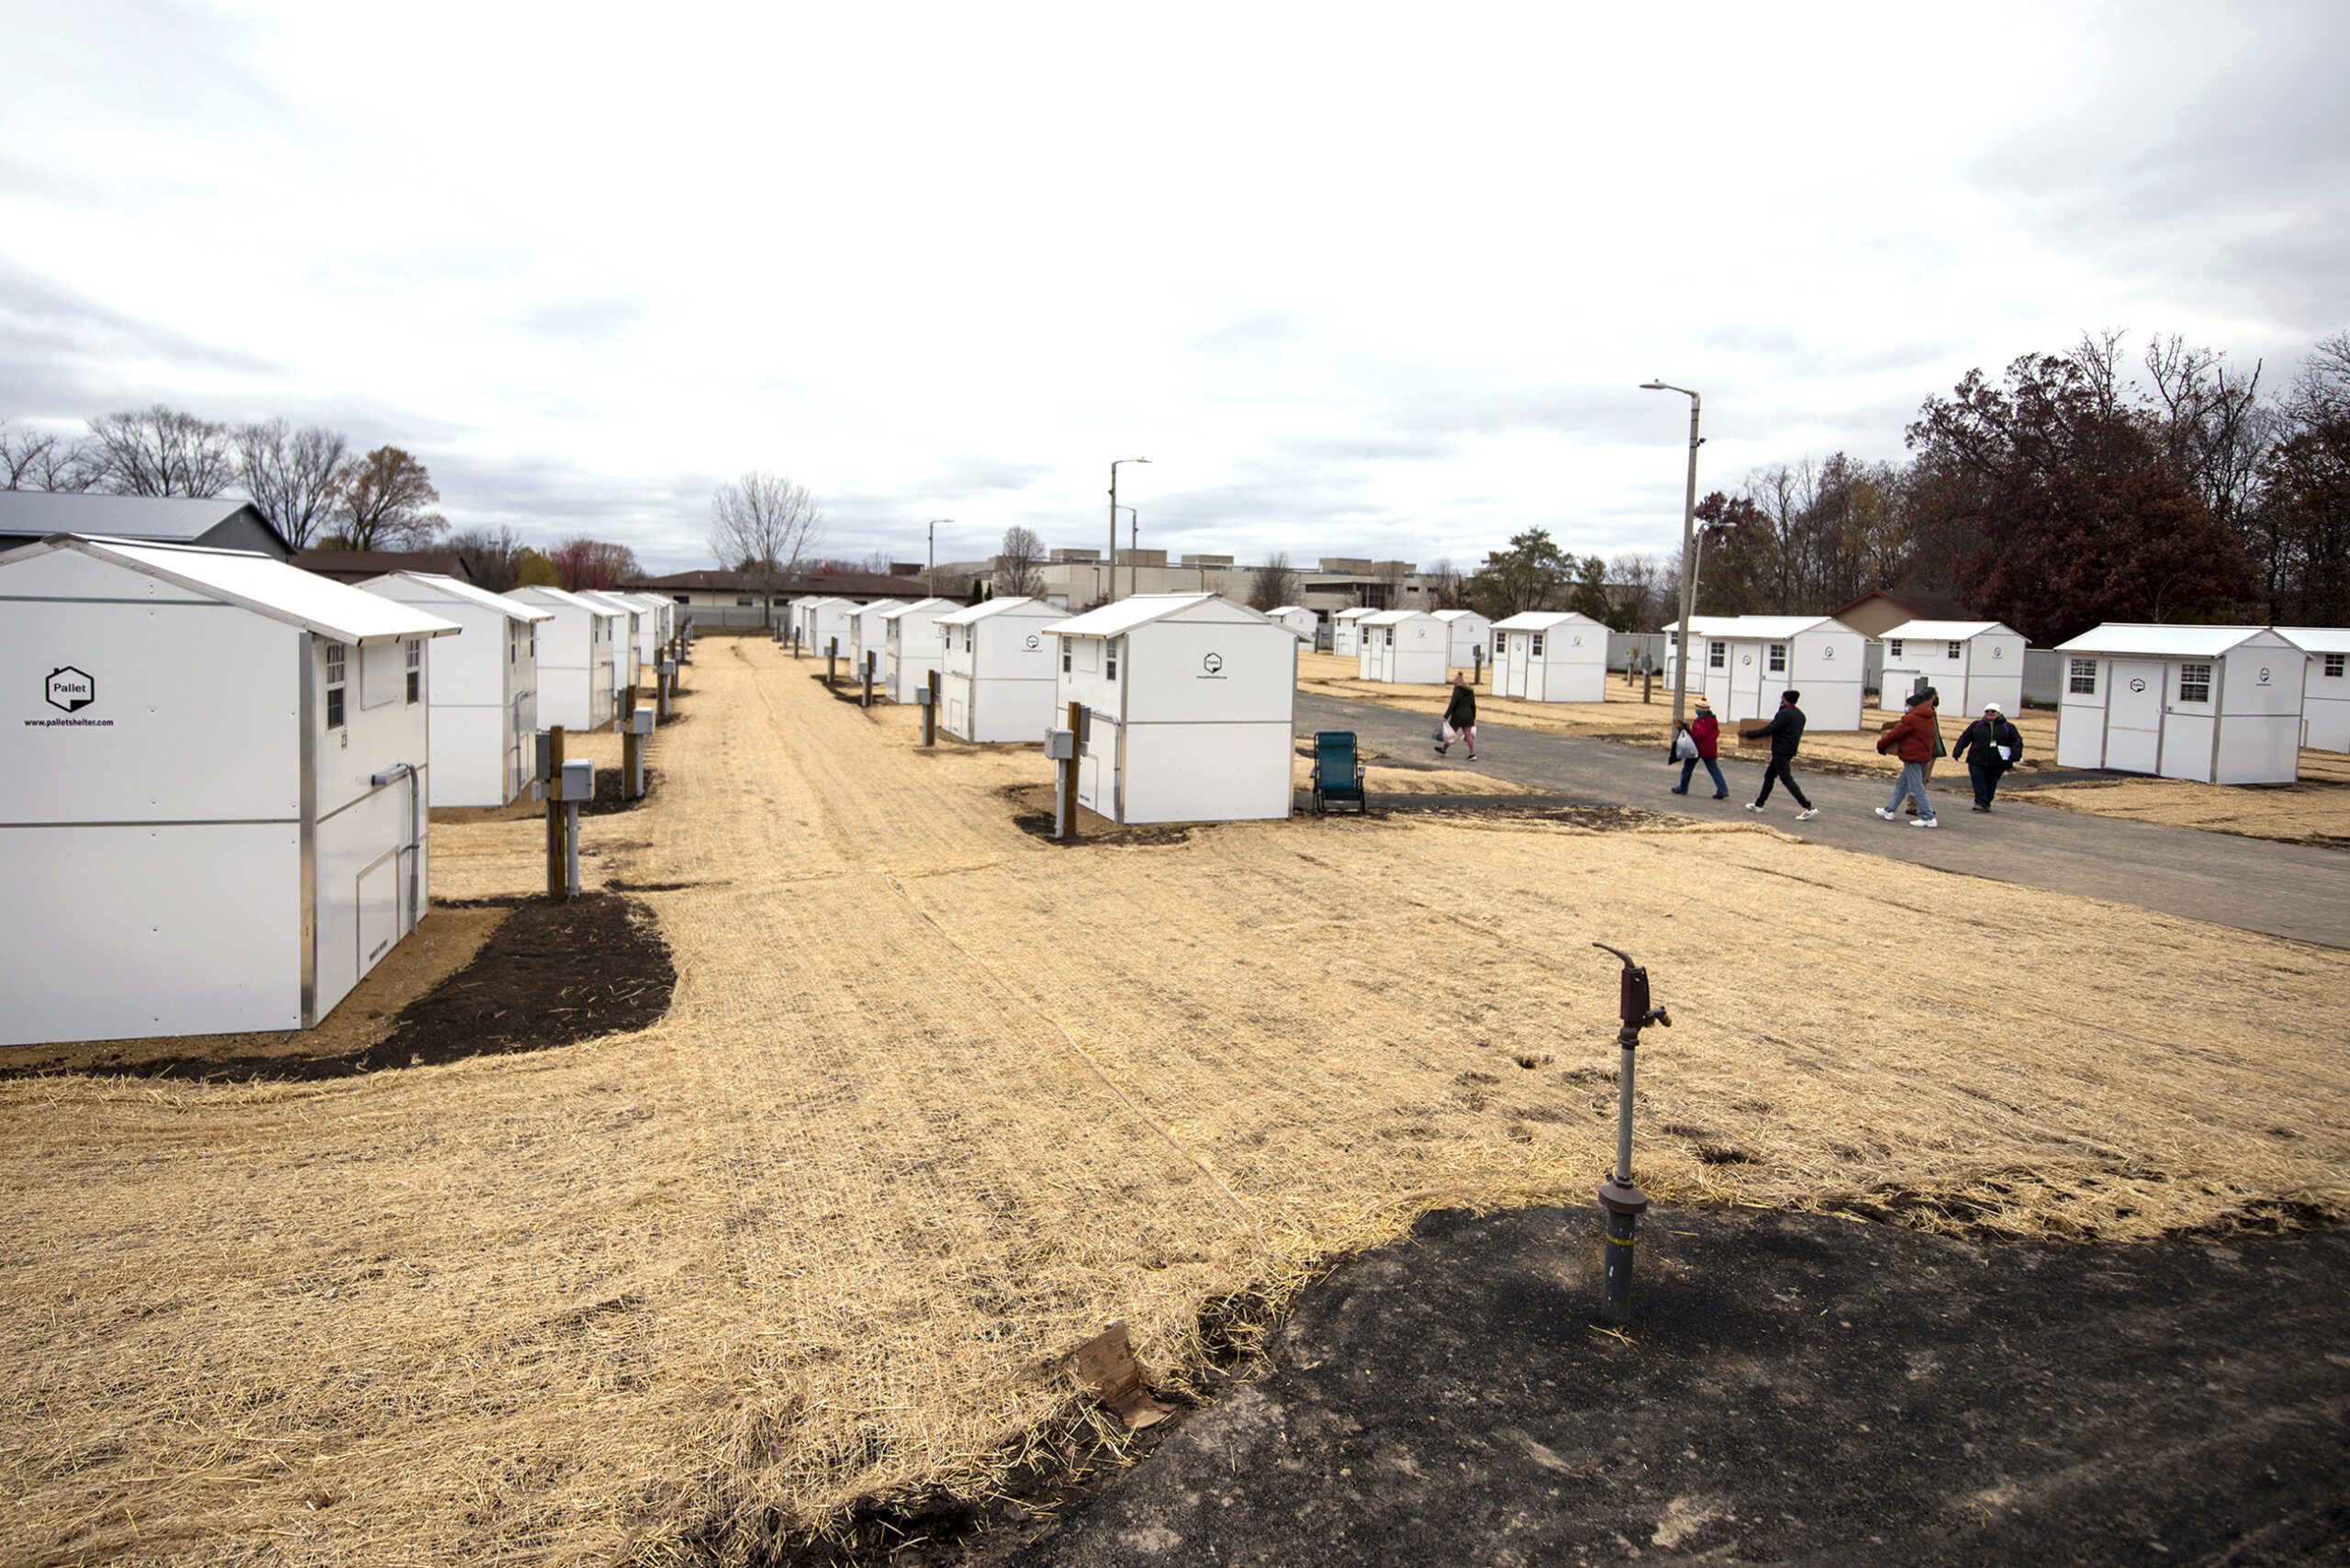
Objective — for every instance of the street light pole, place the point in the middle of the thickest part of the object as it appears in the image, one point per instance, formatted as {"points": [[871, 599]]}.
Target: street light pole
{"points": [[1133, 538], [1688, 557], [932, 581], [1110, 589]]}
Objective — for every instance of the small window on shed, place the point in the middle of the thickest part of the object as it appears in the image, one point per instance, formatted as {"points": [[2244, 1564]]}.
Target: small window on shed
{"points": [[336, 654], [1537, 645], [1893, 647], [1068, 657], [2195, 683], [415, 668], [1718, 655], [2084, 679], [1778, 658], [1110, 657], [2333, 663], [1953, 652]]}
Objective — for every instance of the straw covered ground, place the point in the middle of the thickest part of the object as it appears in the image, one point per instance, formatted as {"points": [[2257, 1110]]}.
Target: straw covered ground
{"points": [[937, 1100], [2315, 811]]}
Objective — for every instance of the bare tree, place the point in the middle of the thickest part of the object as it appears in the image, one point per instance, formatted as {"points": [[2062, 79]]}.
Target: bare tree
{"points": [[763, 525], [1447, 588], [293, 474], [1019, 564], [1274, 584], [382, 503], [35, 460], [159, 451], [1387, 583], [1642, 591], [493, 560]]}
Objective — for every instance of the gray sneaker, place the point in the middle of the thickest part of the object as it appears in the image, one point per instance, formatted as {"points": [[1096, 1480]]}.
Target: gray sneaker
{"points": [[1805, 814]]}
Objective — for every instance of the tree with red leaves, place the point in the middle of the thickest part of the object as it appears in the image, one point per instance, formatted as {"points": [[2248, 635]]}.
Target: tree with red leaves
{"points": [[585, 563]]}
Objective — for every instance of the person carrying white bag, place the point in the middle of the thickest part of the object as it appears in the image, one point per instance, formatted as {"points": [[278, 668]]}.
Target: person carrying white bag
{"points": [[1996, 745], [1459, 720]]}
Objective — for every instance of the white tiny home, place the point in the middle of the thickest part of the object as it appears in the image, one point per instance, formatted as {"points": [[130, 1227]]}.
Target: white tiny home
{"points": [[1407, 648], [996, 670], [215, 819], [1190, 700], [2221, 704], [911, 643], [1745, 661], [1345, 631], [1472, 635], [628, 634], [576, 659], [1550, 655], [828, 618], [866, 632], [1300, 620], [1970, 662], [654, 617], [484, 706], [2325, 690]]}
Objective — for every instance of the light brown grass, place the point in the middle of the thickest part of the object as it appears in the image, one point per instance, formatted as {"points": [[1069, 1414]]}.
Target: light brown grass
{"points": [[937, 1100]]}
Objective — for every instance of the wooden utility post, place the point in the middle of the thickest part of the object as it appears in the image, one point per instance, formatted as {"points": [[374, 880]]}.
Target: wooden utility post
{"points": [[1068, 772], [832, 655], [930, 713], [866, 701], [558, 886], [630, 745]]}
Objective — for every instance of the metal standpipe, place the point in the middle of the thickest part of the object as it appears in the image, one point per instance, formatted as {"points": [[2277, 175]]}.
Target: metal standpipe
{"points": [[415, 846], [1622, 1199]]}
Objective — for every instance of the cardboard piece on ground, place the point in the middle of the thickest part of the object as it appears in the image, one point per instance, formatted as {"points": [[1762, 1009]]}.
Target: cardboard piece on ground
{"points": [[1106, 1364]]}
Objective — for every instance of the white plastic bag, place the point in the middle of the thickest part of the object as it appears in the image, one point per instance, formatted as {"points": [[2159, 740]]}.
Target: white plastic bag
{"points": [[1685, 746]]}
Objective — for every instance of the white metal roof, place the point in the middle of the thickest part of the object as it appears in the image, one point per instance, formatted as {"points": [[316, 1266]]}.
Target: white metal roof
{"points": [[144, 518], [1454, 614], [883, 605], [1944, 631], [1392, 617], [262, 584], [558, 597], [2316, 639], [1768, 628], [920, 604], [609, 603], [1543, 621], [466, 593], [1279, 611], [2169, 641], [1355, 612], [970, 612], [1140, 609]]}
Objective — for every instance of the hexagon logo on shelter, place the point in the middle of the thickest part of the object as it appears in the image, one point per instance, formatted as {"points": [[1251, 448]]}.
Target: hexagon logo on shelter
{"points": [[70, 690]]}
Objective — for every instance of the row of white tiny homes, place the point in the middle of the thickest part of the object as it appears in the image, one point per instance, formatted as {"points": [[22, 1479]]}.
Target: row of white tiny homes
{"points": [[216, 810], [996, 670], [484, 704], [578, 657], [1190, 700], [1970, 664], [1550, 656], [1744, 662], [1406, 647], [2222, 704], [823, 619], [867, 634], [2325, 689], [1345, 631], [626, 625], [911, 643]]}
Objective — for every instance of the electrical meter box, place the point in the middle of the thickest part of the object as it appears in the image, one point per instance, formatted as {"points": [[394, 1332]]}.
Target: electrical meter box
{"points": [[641, 722], [543, 768], [922, 696], [578, 780], [1060, 744], [670, 668]]}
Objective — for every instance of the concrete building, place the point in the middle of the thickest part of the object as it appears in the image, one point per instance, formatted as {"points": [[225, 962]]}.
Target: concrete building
{"points": [[2222, 704]]}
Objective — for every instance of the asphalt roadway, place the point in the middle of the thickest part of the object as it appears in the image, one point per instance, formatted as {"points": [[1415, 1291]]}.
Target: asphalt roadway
{"points": [[2282, 890]]}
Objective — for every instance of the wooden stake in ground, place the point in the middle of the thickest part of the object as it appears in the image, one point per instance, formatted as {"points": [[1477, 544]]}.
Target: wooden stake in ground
{"points": [[929, 712], [866, 701], [1068, 773], [832, 654], [558, 886], [631, 746]]}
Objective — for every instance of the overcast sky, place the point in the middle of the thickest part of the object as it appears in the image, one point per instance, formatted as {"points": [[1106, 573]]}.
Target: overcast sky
{"points": [[1359, 280]]}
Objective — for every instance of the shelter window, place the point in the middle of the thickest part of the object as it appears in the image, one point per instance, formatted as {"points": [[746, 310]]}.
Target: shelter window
{"points": [[1778, 658], [415, 646], [742, 602], [1537, 645], [335, 667], [1893, 646], [2084, 681], [2333, 663], [1953, 652], [683, 597], [1110, 657], [1499, 638], [1718, 655], [2195, 683]]}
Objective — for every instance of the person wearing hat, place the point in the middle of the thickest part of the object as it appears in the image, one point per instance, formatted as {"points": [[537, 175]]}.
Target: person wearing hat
{"points": [[1706, 738], [1989, 746], [1785, 730], [1911, 739]]}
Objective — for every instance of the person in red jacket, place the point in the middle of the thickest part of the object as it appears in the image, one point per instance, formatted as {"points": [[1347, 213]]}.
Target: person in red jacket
{"points": [[1705, 732], [1912, 739]]}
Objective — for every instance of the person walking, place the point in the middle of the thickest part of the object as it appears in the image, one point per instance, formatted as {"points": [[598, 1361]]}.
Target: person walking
{"points": [[1911, 737], [1704, 733], [1933, 702], [1785, 730], [1989, 746], [1460, 719]]}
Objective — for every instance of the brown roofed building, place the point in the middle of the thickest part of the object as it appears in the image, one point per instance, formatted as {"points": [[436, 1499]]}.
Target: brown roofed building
{"points": [[366, 566], [1879, 610], [746, 598]]}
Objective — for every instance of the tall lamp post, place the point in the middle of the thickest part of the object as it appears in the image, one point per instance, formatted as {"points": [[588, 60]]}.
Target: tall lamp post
{"points": [[1688, 558], [931, 580], [1110, 592], [1134, 538]]}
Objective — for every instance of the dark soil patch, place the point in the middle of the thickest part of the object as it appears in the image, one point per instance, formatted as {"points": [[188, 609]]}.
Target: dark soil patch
{"points": [[1032, 814], [1793, 1388], [608, 792], [551, 974]]}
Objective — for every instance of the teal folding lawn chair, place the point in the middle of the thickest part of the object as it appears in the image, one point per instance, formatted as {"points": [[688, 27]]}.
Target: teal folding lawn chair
{"points": [[1338, 777]]}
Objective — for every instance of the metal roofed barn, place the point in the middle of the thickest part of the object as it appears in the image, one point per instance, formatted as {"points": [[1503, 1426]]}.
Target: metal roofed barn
{"points": [[576, 657], [1970, 662], [214, 811], [221, 523], [483, 705], [1189, 699], [1550, 655], [2222, 704], [996, 667], [2325, 690], [1408, 647], [1745, 661]]}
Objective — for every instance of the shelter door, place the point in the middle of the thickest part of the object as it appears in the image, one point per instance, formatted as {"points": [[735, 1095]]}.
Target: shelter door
{"points": [[1515, 677], [2133, 717]]}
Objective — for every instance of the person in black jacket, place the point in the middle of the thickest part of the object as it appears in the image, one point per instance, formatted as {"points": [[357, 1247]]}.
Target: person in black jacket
{"points": [[1785, 730], [1460, 714], [1989, 746]]}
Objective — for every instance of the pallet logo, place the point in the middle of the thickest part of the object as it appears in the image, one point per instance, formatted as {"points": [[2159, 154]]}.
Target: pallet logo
{"points": [[69, 690]]}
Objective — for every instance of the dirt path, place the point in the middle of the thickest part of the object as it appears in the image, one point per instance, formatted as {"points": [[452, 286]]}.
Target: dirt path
{"points": [[937, 1100]]}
